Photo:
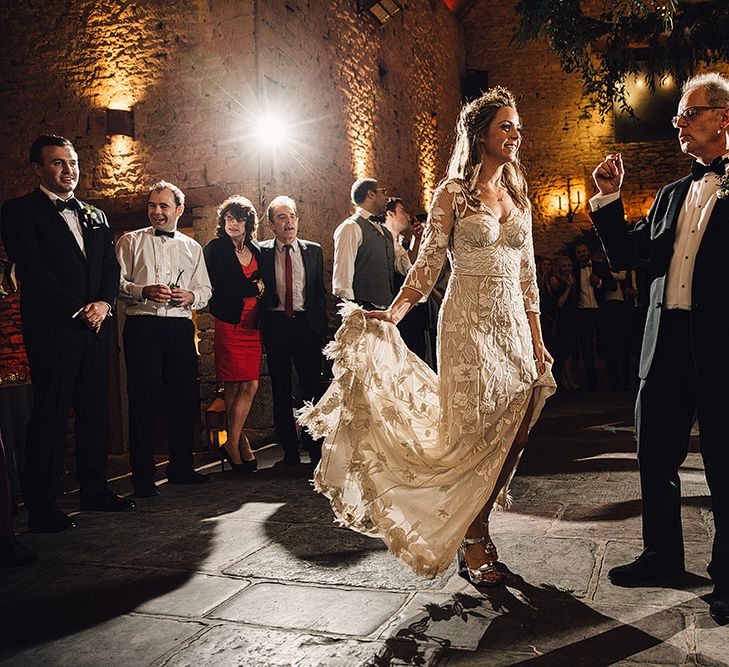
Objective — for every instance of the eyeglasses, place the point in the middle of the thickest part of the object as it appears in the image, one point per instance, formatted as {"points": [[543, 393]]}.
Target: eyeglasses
{"points": [[689, 113]]}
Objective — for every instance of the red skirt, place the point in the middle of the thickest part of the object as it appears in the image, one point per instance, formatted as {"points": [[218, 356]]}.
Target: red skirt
{"points": [[238, 346]]}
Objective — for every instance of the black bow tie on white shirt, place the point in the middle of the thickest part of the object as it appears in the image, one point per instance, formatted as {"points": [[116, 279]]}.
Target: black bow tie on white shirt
{"points": [[162, 232], [72, 203], [698, 170]]}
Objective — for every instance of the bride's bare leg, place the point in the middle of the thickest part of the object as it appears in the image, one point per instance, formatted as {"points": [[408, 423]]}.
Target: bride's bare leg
{"points": [[520, 442], [476, 555]]}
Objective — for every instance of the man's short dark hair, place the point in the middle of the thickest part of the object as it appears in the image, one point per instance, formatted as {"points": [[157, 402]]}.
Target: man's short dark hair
{"points": [[36, 150], [360, 188], [391, 204], [178, 194]]}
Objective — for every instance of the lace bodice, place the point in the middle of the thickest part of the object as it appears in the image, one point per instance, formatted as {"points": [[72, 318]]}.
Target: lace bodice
{"points": [[476, 243]]}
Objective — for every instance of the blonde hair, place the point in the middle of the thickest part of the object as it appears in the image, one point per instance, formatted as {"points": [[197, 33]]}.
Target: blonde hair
{"points": [[473, 122]]}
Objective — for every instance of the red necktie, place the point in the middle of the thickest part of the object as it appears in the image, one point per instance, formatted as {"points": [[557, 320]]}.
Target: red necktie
{"points": [[289, 298]]}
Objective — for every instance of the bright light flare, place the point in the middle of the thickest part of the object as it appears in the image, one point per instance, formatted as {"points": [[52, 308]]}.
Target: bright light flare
{"points": [[271, 130]]}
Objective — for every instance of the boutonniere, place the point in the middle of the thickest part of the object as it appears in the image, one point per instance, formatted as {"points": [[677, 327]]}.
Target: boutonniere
{"points": [[91, 217], [723, 191]]}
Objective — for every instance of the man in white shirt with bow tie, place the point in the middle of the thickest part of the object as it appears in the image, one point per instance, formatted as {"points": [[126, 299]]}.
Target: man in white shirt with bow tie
{"points": [[163, 278], [684, 365]]}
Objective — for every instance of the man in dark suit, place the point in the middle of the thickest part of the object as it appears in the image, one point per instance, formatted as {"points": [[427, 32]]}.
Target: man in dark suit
{"points": [[293, 322], [69, 275], [684, 363], [593, 279]]}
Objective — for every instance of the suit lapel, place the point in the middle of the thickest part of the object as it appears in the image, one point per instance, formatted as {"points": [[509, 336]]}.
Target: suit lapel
{"points": [[269, 270], [58, 222], [676, 199], [307, 260]]}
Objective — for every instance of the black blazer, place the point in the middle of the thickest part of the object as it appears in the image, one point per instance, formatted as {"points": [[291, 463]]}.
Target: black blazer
{"points": [[314, 292], [230, 285], [602, 271], [56, 279], [652, 238]]}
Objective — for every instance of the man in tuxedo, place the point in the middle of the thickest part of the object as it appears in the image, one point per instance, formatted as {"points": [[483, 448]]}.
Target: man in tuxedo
{"points": [[293, 321], [364, 256], [593, 279], [64, 253], [163, 279], [684, 364]]}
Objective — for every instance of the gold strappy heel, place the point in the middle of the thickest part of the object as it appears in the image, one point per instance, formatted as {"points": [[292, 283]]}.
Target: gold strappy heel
{"points": [[486, 574]]}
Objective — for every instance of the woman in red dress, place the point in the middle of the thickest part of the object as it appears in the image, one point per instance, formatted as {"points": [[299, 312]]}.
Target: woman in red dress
{"points": [[232, 261]]}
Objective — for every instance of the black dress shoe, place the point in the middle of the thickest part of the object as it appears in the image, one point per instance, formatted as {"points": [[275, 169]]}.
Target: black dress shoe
{"points": [[14, 554], [719, 608], [146, 491], [291, 459], [105, 501], [643, 569], [189, 477], [51, 520]]}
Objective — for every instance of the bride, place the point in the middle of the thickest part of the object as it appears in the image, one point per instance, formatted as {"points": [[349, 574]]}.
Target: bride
{"points": [[416, 459]]}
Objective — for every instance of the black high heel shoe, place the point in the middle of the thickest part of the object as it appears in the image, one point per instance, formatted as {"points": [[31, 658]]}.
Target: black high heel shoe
{"points": [[242, 468]]}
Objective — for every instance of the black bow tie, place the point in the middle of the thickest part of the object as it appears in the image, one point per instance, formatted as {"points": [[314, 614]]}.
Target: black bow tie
{"points": [[72, 203], [162, 232], [698, 170]]}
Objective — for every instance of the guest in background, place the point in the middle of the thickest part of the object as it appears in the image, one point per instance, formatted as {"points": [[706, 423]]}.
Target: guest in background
{"points": [[164, 278], [547, 316], [414, 326], [232, 261], [618, 339], [294, 322], [364, 261], [592, 279], [564, 295]]}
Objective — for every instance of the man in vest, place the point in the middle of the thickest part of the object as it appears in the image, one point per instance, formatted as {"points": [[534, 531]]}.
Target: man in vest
{"points": [[364, 256]]}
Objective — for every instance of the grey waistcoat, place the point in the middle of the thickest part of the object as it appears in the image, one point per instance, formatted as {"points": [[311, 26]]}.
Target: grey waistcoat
{"points": [[374, 272]]}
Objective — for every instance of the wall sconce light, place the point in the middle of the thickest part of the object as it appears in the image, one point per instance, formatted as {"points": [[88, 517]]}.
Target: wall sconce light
{"points": [[120, 121], [570, 207], [382, 10]]}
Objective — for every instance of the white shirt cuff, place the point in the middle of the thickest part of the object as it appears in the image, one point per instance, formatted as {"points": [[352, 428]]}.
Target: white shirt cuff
{"points": [[599, 201]]}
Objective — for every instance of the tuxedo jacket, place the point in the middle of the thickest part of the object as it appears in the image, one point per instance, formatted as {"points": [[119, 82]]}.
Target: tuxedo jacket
{"points": [[230, 284], [56, 278], [314, 292], [652, 239], [602, 271]]}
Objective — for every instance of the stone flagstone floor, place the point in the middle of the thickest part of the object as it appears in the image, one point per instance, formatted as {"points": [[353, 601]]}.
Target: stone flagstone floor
{"points": [[254, 572]]}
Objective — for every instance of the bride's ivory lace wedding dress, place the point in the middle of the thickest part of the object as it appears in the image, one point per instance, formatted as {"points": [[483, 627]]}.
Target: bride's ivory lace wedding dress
{"points": [[411, 456]]}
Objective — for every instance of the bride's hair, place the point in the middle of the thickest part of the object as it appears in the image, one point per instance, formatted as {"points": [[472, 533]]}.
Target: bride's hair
{"points": [[473, 122]]}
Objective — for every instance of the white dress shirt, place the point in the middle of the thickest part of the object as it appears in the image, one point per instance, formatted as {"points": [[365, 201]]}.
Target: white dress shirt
{"points": [[146, 259], [347, 240], [71, 218], [297, 272], [587, 298], [690, 227]]}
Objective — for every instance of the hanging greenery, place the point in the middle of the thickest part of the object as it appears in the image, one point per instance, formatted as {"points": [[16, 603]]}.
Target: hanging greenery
{"points": [[656, 37]]}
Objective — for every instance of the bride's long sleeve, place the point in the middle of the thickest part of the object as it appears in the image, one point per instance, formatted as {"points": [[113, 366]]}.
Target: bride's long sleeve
{"points": [[528, 274], [433, 248]]}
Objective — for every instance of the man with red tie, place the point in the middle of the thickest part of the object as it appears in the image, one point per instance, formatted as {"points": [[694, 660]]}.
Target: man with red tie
{"points": [[293, 321]]}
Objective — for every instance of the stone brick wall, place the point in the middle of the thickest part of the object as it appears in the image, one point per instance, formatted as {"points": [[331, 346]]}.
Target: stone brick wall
{"points": [[362, 100], [559, 143]]}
